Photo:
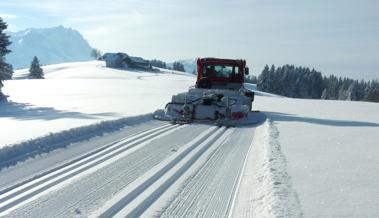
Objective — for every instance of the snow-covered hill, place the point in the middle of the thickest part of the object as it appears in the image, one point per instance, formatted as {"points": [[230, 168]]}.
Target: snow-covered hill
{"points": [[311, 158], [75, 94], [51, 45]]}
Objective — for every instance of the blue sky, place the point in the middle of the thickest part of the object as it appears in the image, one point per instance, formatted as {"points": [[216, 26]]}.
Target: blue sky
{"points": [[333, 36]]}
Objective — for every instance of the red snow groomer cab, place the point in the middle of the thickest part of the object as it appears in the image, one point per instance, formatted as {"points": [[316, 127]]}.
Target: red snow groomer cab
{"points": [[215, 73], [219, 95]]}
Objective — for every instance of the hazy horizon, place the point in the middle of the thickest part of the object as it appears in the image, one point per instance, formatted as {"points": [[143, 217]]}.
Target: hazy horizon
{"points": [[338, 37]]}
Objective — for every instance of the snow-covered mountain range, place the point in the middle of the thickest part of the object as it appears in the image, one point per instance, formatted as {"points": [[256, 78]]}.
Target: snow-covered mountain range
{"points": [[51, 45]]}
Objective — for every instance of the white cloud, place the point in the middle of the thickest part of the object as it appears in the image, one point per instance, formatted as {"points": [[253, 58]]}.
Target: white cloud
{"points": [[8, 16]]}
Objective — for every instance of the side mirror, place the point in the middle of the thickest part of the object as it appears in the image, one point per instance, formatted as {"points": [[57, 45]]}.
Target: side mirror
{"points": [[246, 71]]}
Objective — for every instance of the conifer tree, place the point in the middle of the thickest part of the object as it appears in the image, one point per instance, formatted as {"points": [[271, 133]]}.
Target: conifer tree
{"points": [[178, 66], [35, 69], [96, 53], [6, 70], [262, 83], [372, 91], [158, 63]]}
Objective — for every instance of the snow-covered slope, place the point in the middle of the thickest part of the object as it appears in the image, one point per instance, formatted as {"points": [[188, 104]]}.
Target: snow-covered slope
{"points": [[51, 45], [311, 158], [331, 153], [76, 94]]}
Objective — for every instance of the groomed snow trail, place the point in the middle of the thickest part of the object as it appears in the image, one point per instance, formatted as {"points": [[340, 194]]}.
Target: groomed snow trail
{"points": [[83, 165], [89, 159], [168, 171], [209, 191]]}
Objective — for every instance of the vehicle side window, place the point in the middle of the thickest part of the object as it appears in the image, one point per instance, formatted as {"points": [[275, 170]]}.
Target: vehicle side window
{"points": [[210, 71]]}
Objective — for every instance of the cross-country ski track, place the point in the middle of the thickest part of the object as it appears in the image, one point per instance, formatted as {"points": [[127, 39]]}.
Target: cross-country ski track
{"points": [[162, 171]]}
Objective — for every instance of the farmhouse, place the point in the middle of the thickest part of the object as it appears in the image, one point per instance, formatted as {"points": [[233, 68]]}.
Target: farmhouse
{"points": [[123, 60]]}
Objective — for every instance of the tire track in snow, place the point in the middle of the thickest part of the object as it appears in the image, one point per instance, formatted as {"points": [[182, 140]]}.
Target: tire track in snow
{"points": [[210, 190], [198, 178], [139, 195], [88, 193], [27, 191], [87, 155]]}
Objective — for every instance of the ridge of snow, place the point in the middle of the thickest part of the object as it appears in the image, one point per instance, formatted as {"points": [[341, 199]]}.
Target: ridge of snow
{"points": [[11, 154], [266, 189]]}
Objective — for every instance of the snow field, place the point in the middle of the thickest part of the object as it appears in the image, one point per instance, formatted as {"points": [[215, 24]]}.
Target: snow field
{"points": [[331, 153], [83, 93]]}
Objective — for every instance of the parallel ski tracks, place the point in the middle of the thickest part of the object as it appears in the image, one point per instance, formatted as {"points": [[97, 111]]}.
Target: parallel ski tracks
{"points": [[193, 173], [139, 195], [211, 190], [20, 193]]}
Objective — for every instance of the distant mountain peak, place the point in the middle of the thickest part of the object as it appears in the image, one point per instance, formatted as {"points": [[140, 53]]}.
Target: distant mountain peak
{"points": [[52, 45]]}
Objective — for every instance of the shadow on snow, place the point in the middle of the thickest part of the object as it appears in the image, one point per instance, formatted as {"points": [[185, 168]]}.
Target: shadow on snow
{"points": [[276, 116], [26, 111]]}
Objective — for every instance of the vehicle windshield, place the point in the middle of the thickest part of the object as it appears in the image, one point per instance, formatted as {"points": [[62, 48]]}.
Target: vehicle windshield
{"points": [[220, 71]]}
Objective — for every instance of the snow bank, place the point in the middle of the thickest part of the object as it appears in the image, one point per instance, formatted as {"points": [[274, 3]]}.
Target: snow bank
{"points": [[10, 155], [265, 189]]}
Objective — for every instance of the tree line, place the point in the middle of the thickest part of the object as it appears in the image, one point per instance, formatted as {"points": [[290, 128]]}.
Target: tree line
{"points": [[302, 82], [161, 64], [158, 63]]}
